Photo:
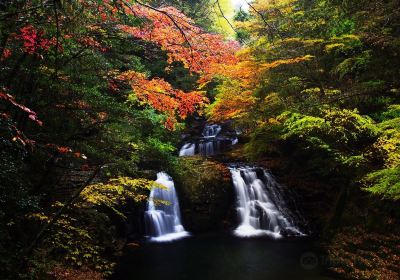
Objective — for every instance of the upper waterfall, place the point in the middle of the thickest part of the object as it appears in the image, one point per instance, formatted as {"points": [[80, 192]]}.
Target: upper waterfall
{"points": [[163, 217], [213, 140], [260, 205], [211, 130]]}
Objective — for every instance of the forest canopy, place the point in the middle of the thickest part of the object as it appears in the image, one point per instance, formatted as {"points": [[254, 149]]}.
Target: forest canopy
{"points": [[95, 95], [323, 76]]}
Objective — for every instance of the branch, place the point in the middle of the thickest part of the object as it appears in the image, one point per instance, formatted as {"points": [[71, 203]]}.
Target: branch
{"points": [[3, 16], [57, 21], [167, 15], [270, 27], [223, 15]]}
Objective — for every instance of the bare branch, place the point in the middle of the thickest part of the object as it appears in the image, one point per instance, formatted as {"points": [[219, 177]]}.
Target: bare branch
{"points": [[223, 15], [270, 27]]}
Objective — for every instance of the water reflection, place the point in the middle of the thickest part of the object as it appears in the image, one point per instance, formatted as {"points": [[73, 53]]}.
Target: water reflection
{"points": [[219, 257]]}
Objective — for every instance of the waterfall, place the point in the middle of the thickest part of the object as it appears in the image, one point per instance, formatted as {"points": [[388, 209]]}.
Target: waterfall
{"points": [[211, 130], [260, 205], [208, 148], [187, 150], [234, 141], [210, 142], [163, 220]]}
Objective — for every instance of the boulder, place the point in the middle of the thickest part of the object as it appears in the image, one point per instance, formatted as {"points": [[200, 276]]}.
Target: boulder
{"points": [[205, 193]]}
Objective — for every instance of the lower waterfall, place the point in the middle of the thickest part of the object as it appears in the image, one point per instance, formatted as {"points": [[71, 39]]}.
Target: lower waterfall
{"points": [[260, 205], [163, 220]]}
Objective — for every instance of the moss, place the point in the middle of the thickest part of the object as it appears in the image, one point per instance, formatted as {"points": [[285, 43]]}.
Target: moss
{"points": [[205, 193]]}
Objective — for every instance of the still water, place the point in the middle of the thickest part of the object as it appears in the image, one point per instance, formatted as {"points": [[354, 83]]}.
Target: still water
{"points": [[223, 257]]}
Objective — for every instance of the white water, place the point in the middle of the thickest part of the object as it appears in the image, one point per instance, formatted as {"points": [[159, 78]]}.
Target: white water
{"points": [[211, 130], [209, 144], [260, 205], [187, 150], [163, 221], [209, 148]]}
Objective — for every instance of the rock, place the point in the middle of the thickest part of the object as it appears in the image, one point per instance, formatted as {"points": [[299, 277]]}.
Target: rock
{"points": [[131, 247], [205, 193]]}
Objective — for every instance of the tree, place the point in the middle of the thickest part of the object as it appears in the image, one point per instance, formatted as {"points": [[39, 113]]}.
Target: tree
{"points": [[85, 84]]}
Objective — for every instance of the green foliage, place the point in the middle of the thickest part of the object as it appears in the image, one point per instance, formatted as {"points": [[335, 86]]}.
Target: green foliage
{"points": [[353, 65], [241, 16], [384, 182], [338, 110], [84, 235], [342, 135], [302, 126], [393, 112], [89, 120], [79, 238], [262, 139]]}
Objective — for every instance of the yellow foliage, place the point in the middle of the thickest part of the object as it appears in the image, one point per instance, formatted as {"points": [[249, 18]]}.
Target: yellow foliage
{"points": [[280, 62], [116, 192], [330, 47], [301, 41], [232, 102], [388, 145]]}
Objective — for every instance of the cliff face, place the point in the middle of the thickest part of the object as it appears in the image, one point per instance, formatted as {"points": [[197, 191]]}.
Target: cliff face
{"points": [[205, 193]]}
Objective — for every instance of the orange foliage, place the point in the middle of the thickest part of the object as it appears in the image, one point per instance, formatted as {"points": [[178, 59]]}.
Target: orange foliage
{"points": [[91, 43], [199, 51], [245, 70], [248, 70], [181, 38], [163, 97], [232, 105], [235, 99]]}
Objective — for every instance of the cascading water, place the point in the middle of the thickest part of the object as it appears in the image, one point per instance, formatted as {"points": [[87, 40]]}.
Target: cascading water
{"points": [[211, 130], [260, 204], [207, 148], [163, 220], [210, 143], [187, 150]]}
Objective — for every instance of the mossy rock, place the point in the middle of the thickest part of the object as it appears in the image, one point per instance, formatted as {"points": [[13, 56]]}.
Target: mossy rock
{"points": [[205, 193]]}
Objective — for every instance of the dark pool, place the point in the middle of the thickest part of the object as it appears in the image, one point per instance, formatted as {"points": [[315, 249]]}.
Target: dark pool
{"points": [[223, 257]]}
